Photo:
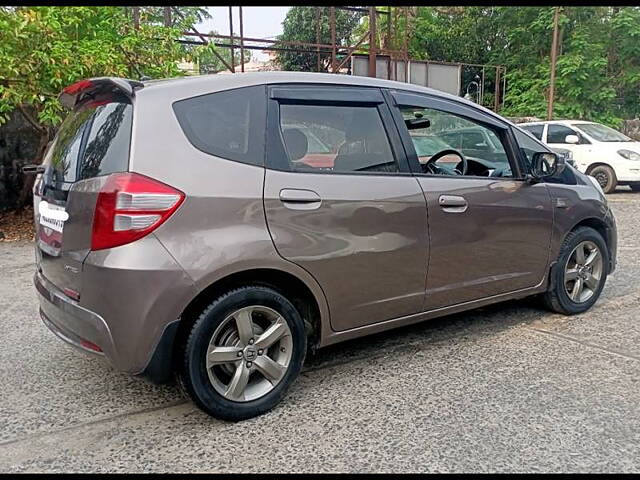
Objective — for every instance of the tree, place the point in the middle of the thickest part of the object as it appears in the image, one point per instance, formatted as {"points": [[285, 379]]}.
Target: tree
{"points": [[598, 70], [300, 25], [44, 49]]}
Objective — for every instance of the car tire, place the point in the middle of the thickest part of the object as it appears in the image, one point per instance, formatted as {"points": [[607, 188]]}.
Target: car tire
{"points": [[559, 297], [201, 374], [605, 176], [635, 187]]}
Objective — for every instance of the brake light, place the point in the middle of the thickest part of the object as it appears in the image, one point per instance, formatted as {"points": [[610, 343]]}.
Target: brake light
{"points": [[76, 87], [130, 206]]}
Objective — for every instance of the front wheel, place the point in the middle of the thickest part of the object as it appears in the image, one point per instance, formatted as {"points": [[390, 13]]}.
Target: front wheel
{"points": [[580, 273], [605, 176], [243, 353]]}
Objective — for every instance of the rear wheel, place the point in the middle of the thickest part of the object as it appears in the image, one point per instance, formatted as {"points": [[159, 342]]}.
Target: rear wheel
{"points": [[243, 353], [580, 272], [605, 176]]}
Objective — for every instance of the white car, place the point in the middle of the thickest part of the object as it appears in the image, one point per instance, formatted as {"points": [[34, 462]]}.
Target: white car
{"points": [[602, 152]]}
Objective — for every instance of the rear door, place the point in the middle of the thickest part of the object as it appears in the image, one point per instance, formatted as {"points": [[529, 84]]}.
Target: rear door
{"points": [[92, 142], [357, 221]]}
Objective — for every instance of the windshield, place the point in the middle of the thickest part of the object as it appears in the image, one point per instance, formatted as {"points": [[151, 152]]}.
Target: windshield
{"points": [[602, 133]]}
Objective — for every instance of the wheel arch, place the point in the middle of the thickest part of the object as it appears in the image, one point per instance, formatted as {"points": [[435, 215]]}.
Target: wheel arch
{"points": [[598, 224], [598, 164], [291, 286]]}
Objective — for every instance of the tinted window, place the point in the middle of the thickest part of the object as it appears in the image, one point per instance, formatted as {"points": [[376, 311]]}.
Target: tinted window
{"points": [[480, 144], [528, 146], [335, 138], [228, 124], [99, 135], [535, 130], [108, 140], [558, 134]]}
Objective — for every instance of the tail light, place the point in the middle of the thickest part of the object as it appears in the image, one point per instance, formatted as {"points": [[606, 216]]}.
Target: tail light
{"points": [[130, 206]]}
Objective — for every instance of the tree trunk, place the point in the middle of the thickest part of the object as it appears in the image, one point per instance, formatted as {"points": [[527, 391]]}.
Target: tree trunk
{"points": [[27, 187]]}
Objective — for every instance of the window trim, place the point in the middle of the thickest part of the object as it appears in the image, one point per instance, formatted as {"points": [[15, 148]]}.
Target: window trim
{"points": [[577, 133], [327, 94], [396, 98]]}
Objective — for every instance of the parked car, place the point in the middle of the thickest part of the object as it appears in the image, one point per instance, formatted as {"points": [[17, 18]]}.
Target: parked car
{"points": [[606, 154], [567, 155], [177, 231]]}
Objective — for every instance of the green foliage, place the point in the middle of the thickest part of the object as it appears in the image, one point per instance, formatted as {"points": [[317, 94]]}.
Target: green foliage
{"points": [[44, 49], [598, 69], [300, 25]]}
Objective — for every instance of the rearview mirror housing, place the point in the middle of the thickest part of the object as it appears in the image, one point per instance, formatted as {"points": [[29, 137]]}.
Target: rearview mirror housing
{"points": [[546, 164], [572, 139], [417, 123]]}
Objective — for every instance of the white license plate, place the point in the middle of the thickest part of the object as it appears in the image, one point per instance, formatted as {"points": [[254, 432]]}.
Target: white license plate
{"points": [[52, 216]]}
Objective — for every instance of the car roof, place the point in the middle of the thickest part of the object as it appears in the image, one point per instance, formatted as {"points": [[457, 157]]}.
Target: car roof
{"points": [[202, 84]]}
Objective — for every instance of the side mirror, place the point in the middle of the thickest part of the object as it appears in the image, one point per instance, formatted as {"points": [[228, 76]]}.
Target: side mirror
{"points": [[546, 164], [573, 139]]}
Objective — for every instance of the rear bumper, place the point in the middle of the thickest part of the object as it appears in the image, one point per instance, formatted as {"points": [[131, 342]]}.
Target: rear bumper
{"points": [[72, 323], [131, 298]]}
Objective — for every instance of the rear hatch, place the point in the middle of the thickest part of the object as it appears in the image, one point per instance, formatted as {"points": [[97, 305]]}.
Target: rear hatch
{"points": [[92, 142]]}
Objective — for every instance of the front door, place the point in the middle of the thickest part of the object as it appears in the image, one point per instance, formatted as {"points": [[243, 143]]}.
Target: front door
{"points": [[489, 229], [341, 203], [582, 151]]}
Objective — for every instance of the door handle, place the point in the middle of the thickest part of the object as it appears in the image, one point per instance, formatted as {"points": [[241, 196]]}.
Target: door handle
{"points": [[299, 199], [453, 203]]}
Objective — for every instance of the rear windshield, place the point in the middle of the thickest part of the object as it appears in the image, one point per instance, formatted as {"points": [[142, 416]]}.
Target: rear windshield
{"points": [[93, 140]]}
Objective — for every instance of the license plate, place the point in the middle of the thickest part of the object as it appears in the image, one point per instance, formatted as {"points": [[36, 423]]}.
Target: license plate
{"points": [[52, 216]]}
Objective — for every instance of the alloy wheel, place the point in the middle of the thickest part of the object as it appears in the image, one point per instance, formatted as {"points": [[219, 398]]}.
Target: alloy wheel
{"points": [[249, 353], [583, 271], [602, 178]]}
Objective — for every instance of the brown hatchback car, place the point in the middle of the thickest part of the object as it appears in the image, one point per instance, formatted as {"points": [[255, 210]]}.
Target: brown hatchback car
{"points": [[220, 227]]}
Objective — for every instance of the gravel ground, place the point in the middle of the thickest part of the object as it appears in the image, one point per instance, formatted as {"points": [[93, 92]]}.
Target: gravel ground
{"points": [[508, 388]]}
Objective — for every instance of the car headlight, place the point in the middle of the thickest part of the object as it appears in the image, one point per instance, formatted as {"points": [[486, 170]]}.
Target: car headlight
{"points": [[597, 185], [629, 155]]}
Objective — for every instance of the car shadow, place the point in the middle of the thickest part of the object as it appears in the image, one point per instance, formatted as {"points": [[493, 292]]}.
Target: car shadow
{"points": [[472, 324]]}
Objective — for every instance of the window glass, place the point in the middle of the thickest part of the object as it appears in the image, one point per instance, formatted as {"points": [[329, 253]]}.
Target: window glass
{"points": [[558, 134], [107, 145], [98, 133], [535, 130], [602, 133], [528, 146], [64, 156], [335, 138], [228, 124], [434, 132]]}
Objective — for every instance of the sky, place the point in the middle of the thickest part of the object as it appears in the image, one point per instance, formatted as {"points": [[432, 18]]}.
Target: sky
{"points": [[259, 22]]}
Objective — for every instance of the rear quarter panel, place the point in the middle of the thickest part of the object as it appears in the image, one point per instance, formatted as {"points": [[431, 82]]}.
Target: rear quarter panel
{"points": [[220, 229]]}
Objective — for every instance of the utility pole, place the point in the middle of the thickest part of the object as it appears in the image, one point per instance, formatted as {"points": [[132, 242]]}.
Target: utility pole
{"points": [[136, 18], [332, 24], [241, 41], [372, 41], [554, 55], [233, 61]]}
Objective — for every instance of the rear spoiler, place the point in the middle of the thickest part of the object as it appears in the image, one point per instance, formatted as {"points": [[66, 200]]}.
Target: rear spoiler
{"points": [[75, 92]]}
